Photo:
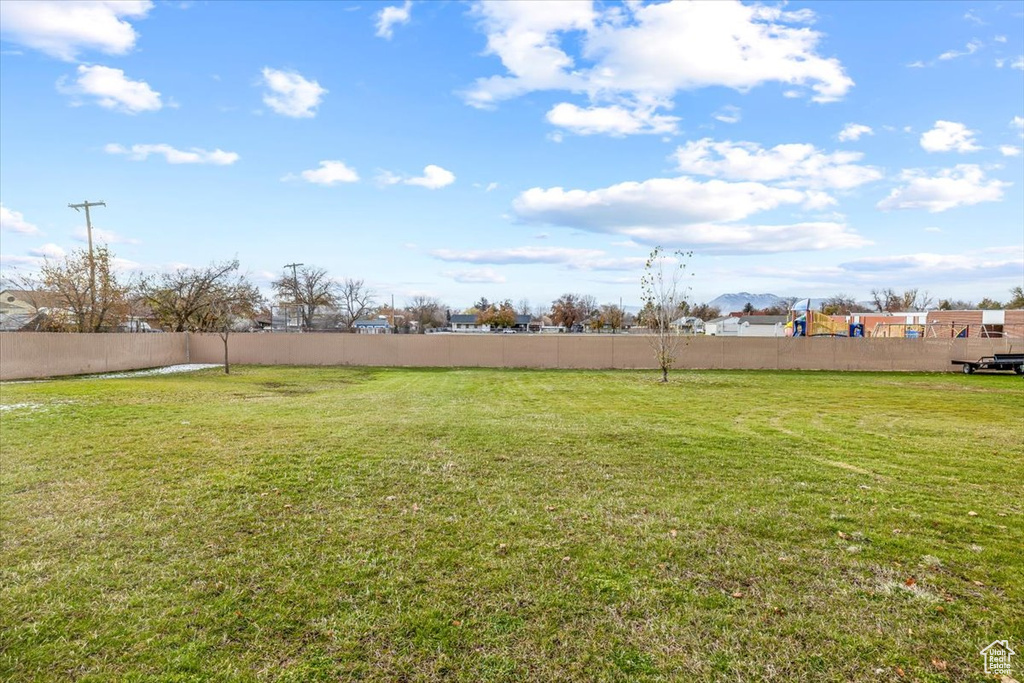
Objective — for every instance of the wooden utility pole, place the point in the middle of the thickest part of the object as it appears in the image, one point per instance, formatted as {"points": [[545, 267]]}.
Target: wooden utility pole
{"points": [[92, 260]]}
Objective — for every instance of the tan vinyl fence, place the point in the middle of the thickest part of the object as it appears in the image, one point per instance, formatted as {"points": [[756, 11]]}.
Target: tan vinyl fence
{"points": [[30, 355], [594, 351]]}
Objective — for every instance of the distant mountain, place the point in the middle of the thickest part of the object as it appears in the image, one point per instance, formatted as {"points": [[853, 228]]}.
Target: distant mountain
{"points": [[730, 303]]}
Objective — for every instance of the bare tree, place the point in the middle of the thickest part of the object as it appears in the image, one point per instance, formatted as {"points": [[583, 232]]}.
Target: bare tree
{"points": [[664, 296], [181, 299], [841, 304], [76, 305], [887, 300], [309, 289], [427, 312], [355, 300], [523, 307], [570, 310]]}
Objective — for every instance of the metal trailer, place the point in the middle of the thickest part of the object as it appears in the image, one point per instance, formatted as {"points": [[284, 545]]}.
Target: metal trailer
{"points": [[1004, 362]]}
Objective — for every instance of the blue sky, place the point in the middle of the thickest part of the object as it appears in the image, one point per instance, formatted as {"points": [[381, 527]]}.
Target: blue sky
{"points": [[522, 150]]}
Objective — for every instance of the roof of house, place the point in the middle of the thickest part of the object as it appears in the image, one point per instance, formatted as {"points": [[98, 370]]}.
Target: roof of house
{"points": [[721, 319], [371, 322], [41, 299], [763, 319], [470, 319]]}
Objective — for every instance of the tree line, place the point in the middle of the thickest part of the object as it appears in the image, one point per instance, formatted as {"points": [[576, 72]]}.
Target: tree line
{"points": [[84, 292]]}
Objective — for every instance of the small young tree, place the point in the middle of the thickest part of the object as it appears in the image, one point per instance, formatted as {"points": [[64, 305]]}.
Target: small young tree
{"points": [[230, 306], [664, 295]]}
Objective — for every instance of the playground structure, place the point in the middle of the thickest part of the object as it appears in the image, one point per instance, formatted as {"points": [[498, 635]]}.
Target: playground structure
{"points": [[804, 322], [966, 324]]}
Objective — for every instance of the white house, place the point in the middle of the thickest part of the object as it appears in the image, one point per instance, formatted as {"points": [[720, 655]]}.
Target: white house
{"points": [[747, 326]]}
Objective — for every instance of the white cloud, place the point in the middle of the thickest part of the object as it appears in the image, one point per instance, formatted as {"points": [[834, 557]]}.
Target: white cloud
{"points": [[939, 266], [518, 255], [1000, 264], [112, 90], [1009, 150], [969, 49], [790, 164], [385, 177], [14, 221], [686, 213], [329, 173], [963, 185], [194, 155], [572, 259], [657, 201], [433, 178], [1017, 122], [916, 65], [475, 276], [751, 239], [662, 49], [289, 94], [49, 251], [491, 187], [933, 229], [948, 136], [614, 120], [729, 114], [1018, 63], [1000, 39], [388, 17], [972, 17], [62, 29], [854, 131]]}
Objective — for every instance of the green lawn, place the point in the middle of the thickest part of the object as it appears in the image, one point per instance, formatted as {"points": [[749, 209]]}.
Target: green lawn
{"points": [[297, 524]]}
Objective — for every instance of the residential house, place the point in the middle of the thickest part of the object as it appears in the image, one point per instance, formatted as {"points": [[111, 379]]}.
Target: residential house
{"points": [[747, 326], [467, 322], [761, 326], [687, 325], [23, 309], [378, 325]]}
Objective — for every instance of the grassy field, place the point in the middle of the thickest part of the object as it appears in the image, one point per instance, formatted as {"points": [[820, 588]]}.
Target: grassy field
{"points": [[297, 524]]}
